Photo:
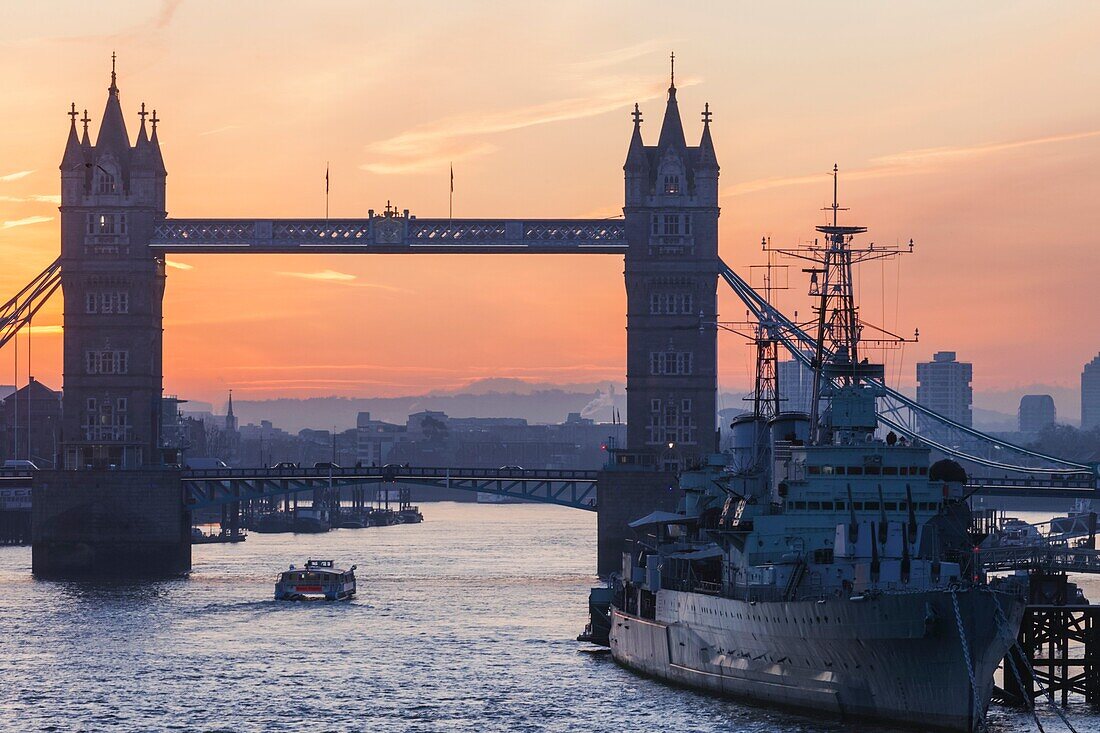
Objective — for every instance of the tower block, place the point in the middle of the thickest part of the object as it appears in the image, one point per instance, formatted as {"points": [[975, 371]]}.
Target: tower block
{"points": [[671, 274], [112, 194]]}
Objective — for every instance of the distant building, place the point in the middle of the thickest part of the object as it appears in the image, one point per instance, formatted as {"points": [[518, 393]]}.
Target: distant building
{"points": [[230, 418], [40, 407], [1090, 395], [943, 386], [1037, 411], [796, 386], [375, 439]]}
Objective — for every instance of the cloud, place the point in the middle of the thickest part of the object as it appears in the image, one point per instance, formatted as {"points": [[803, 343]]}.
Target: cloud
{"points": [[908, 162], [46, 330], [342, 278], [217, 130], [622, 55], [178, 265], [25, 221], [35, 198], [15, 176], [330, 275], [431, 145], [427, 163]]}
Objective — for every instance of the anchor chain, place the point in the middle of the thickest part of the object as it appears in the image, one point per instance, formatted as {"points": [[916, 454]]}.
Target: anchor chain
{"points": [[978, 716]]}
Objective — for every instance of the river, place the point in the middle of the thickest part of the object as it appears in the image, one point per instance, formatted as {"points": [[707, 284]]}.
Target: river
{"points": [[463, 623]]}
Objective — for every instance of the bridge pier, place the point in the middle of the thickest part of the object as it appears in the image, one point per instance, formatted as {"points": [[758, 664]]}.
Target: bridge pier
{"points": [[626, 495], [120, 523]]}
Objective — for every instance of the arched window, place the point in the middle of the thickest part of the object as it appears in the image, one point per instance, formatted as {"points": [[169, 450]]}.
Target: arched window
{"points": [[106, 178], [672, 183]]}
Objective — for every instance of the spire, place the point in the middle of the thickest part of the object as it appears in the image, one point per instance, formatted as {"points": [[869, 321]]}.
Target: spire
{"points": [[707, 156], [74, 154], [112, 130], [143, 137], [636, 157], [229, 413], [157, 158], [672, 131], [84, 141]]}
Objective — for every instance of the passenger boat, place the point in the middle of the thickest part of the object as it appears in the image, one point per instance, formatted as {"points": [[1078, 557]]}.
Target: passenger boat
{"points": [[320, 579]]}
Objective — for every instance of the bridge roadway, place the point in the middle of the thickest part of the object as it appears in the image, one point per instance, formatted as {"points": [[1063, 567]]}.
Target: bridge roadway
{"points": [[576, 489], [391, 233], [218, 486]]}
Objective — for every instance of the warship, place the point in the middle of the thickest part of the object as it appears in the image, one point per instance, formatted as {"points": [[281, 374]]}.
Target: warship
{"points": [[816, 563]]}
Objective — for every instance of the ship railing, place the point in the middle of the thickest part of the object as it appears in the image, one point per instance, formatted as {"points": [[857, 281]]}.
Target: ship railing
{"points": [[709, 588]]}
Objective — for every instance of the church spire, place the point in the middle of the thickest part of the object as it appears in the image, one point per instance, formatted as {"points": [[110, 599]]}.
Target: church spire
{"points": [[672, 131]]}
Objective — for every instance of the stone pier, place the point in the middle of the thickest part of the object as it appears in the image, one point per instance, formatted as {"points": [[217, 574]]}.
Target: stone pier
{"points": [[626, 495], [125, 523]]}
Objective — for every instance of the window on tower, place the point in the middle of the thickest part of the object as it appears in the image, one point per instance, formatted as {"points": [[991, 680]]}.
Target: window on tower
{"points": [[672, 184]]}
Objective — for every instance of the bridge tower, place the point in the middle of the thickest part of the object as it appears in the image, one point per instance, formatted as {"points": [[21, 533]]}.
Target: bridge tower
{"points": [[672, 271], [112, 193]]}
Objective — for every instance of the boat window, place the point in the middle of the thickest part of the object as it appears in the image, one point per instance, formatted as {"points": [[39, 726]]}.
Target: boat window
{"points": [[840, 505], [924, 470], [889, 470], [815, 506], [855, 470], [827, 506], [813, 470], [828, 470], [891, 506], [904, 470], [857, 506], [872, 470], [839, 470], [870, 506]]}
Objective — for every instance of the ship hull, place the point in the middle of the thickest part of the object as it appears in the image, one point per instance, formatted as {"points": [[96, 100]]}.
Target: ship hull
{"points": [[895, 658]]}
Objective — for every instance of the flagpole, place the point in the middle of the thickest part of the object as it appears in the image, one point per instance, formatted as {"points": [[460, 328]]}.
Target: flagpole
{"points": [[451, 197], [326, 189]]}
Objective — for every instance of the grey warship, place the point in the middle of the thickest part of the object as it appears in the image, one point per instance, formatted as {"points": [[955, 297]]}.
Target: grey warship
{"points": [[818, 564]]}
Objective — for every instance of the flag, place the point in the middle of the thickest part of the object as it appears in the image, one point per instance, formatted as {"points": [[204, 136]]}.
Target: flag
{"points": [[326, 178], [452, 178]]}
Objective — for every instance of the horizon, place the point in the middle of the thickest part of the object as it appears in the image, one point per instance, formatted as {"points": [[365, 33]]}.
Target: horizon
{"points": [[977, 182]]}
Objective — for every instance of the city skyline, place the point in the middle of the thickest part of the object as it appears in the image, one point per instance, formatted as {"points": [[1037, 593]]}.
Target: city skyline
{"points": [[981, 171]]}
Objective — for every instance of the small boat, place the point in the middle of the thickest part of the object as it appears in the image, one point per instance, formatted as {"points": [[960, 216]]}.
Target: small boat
{"points": [[320, 579]]}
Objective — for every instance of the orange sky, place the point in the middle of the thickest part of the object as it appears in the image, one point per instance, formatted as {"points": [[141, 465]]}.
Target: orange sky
{"points": [[975, 130]]}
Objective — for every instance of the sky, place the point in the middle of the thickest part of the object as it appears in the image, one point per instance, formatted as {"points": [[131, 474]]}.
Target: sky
{"points": [[973, 129]]}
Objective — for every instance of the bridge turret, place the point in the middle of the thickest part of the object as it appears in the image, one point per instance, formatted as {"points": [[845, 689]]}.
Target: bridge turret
{"points": [[671, 212], [112, 196]]}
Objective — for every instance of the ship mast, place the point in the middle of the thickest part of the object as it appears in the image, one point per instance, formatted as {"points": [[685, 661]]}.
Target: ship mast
{"points": [[836, 361]]}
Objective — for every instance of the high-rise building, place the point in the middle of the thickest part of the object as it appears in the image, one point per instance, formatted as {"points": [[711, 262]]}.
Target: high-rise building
{"points": [[1037, 411], [1090, 395], [796, 386], [943, 386]]}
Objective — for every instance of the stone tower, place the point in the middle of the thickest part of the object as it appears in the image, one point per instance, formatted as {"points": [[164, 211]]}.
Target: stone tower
{"points": [[671, 281], [112, 195]]}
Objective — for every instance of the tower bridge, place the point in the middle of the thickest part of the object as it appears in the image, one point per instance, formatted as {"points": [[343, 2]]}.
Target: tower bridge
{"points": [[115, 234]]}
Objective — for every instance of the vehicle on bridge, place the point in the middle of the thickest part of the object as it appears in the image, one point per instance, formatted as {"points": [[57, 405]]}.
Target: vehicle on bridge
{"points": [[320, 580]]}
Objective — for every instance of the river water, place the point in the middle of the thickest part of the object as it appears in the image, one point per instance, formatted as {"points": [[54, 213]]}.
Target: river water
{"points": [[463, 623]]}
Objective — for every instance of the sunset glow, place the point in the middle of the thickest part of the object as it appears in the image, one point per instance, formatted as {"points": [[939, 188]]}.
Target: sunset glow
{"points": [[980, 141]]}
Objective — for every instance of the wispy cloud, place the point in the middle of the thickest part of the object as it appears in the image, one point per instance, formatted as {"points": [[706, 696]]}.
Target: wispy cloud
{"points": [[622, 55], [322, 275], [47, 330], [178, 265], [430, 146], [33, 198], [25, 221], [342, 278], [217, 130], [909, 162], [15, 176]]}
